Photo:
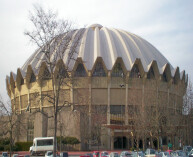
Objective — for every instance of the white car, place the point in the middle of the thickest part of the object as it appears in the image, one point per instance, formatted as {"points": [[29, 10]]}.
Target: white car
{"points": [[4, 154], [104, 154], [49, 154], [114, 154]]}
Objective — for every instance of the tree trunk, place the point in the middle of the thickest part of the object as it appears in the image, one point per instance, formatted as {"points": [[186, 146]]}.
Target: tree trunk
{"points": [[55, 132], [11, 142]]}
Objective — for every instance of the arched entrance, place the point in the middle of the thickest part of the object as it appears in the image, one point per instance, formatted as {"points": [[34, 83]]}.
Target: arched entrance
{"points": [[120, 142], [141, 144], [155, 143]]}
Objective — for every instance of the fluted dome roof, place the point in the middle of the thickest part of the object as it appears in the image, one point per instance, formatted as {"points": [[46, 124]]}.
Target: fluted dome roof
{"points": [[109, 44]]}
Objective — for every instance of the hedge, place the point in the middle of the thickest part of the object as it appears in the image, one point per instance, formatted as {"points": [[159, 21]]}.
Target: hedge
{"points": [[68, 140], [23, 146]]}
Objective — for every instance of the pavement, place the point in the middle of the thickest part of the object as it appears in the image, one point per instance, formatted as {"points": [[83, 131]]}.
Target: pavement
{"points": [[70, 153]]}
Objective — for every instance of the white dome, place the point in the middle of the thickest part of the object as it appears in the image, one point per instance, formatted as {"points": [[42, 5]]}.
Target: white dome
{"points": [[109, 44]]}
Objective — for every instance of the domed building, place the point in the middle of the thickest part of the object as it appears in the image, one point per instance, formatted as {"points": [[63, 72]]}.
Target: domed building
{"points": [[125, 94]]}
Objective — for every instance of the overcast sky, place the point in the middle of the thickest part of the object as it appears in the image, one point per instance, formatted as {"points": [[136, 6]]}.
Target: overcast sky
{"points": [[166, 24]]}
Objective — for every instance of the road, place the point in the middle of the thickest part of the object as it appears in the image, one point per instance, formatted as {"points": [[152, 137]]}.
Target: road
{"points": [[69, 156], [43, 156]]}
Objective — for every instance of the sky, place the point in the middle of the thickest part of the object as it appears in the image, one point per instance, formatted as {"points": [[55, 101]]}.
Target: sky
{"points": [[166, 24]]}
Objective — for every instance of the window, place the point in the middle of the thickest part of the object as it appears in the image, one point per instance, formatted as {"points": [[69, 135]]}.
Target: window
{"points": [[33, 78], [62, 73], [80, 71], [117, 109], [135, 73], [46, 74], [117, 114], [150, 74], [45, 142], [22, 81], [99, 70], [164, 77], [117, 71], [175, 81]]}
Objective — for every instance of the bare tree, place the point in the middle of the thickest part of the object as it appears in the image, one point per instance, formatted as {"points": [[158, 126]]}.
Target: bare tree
{"points": [[187, 108], [99, 118], [55, 38], [10, 123], [188, 99]]}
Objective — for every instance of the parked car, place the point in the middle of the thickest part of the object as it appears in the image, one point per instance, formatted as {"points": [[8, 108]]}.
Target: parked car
{"points": [[139, 154], [187, 149], [89, 154], [150, 152], [4, 154], [104, 154], [15, 155], [169, 151], [178, 153], [64, 154], [84, 155], [126, 154], [114, 154], [163, 154], [190, 153], [134, 154], [96, 154], [49, 154], [27, 155]]}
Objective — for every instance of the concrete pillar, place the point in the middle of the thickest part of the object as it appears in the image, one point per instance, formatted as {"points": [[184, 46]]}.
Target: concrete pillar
{"points": [[126, 104], [90, 103], [128, 144], [132, 142], [41, 99], [71, 95], [40, 125], [28, 101], [108, 138], [108, 110], [14, 102], [143, 93], [168, 105], [109, 99], [20, 102], [112, 140]]}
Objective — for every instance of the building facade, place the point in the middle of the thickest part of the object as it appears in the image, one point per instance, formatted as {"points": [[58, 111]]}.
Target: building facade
{"points": [[124, 94]]}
